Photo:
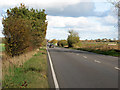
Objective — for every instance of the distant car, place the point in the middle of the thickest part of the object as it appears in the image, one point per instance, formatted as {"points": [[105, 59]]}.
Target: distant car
{"points": [[51, 46]]}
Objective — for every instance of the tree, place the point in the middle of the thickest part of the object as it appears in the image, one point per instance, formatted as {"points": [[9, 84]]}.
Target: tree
{"points": [[73, 38], [24, 28], [98, 40], [39, 27], [116, 3]]}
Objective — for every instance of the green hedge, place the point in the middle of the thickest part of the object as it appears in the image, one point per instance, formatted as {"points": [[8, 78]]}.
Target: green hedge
{"points": [[24, 29]]}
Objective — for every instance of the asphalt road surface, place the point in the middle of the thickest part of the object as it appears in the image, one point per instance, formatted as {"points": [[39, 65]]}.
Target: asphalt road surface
{"points": [[81, 69]]}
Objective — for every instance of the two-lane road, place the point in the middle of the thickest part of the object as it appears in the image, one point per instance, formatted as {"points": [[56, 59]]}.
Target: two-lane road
{"points": [[81, 69]]}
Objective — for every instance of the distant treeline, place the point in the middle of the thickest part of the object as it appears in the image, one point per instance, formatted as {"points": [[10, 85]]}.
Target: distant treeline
{"points": [[101, 40], [73, 40], [24, 29]]}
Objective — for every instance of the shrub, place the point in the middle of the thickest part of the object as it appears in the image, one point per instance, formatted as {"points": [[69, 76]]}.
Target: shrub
{"points": [[17, 35], [62, 43], [54, 41]]}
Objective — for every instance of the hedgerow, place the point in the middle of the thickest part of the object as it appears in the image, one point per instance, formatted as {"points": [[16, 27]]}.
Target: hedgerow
{"points": [[24, 29]]}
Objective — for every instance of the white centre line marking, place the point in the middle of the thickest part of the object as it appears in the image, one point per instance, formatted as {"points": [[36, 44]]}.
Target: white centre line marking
{"points": [[117, 68], [97, 61], [84, 56], [53, 72]]}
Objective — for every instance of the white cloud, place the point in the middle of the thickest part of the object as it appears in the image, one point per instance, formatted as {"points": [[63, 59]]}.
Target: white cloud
{"points": [[74, 8], [1, 27], [41, 3], [59, 21], [46, 3], [87, 27], [57, 33], [82, 23], [110, 20]]}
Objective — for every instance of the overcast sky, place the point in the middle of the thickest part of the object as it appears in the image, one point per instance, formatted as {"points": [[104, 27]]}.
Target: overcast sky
{"points": [[92, 19]]}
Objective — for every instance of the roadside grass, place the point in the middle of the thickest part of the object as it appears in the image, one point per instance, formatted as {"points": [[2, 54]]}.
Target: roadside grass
{"points": [[32, 74], [104, 52], [2, 47], [105, 48]]}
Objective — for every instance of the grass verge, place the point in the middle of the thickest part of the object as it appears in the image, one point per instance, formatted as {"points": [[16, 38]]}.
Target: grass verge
{"points": [[104, 52], [2, 47], [32, 74]]}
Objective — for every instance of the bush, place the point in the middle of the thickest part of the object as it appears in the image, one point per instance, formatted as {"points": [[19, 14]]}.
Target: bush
{"points": [[17, 35], [62, 43], [54, 41]]}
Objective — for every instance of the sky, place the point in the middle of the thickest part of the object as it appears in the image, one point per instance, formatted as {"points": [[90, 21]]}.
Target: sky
{"points": [[92, 19]]}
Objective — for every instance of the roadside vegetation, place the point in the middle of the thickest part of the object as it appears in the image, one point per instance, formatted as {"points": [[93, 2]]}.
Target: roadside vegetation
{"points": [[31, 74], [24, 62], [2, 47], [106, 48], [104, 52]]}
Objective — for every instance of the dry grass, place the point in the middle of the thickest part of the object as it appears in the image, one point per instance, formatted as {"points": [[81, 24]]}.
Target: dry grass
{"points": [[0, 73], [98, 45], [18, 60], [106, 48], [15, 61], [30, 67]]}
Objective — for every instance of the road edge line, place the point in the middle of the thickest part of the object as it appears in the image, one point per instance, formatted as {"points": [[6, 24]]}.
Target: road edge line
{"points": [[53, 72]]}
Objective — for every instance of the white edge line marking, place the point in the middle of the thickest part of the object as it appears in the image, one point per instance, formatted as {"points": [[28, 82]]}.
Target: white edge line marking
{"points": [[117, 68], [97, 61], [53, 72]]}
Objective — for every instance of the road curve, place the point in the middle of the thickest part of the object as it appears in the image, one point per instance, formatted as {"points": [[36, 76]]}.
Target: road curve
{"points": [[81, 69]]}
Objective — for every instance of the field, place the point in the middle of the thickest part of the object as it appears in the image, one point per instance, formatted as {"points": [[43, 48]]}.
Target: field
{"points": [[99, 45], [30, 73], [106, 48]]}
